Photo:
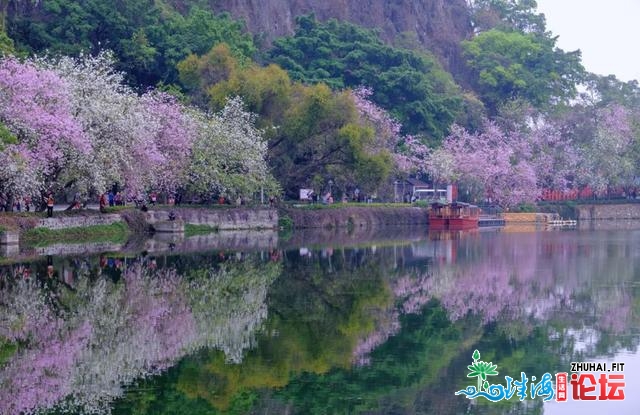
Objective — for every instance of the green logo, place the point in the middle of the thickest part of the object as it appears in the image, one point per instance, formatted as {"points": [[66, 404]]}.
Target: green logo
{"points": [[494, 393], [479, 369]]}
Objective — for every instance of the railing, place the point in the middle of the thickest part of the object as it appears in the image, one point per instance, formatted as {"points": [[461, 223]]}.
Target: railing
{"points": [[562, 222]]}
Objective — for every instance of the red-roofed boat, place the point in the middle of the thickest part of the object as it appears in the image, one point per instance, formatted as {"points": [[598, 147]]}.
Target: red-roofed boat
{"points": [[453, 216]]}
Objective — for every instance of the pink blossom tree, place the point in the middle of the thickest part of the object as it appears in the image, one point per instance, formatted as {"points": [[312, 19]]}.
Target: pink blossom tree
{"points": [[174, 135], [122, 132], [489, 163], [608, 158], [35, 105], [554, 157], [409, 153]]}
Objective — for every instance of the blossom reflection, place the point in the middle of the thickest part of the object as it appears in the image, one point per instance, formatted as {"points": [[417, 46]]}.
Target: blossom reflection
{"points": [[78, 347]]}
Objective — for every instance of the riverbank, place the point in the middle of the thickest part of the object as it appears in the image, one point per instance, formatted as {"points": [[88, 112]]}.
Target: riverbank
{"points": [[76, 227], [89, 231], [34, 229], [583, 212]]}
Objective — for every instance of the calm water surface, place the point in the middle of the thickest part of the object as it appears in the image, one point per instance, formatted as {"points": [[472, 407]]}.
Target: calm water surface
{"points": [[385, 326]]}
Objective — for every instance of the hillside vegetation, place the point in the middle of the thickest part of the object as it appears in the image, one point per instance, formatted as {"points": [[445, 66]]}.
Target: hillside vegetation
{"points": [[334, 100]]}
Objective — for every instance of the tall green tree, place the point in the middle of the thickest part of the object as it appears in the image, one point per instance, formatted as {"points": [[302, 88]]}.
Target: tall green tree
{"points": [[410, 84], [605, 90], [314, 134], [509, 65], [148, 37], [520, 15]]}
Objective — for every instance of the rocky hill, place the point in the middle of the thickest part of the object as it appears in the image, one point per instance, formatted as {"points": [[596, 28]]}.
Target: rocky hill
{"points": [[438, 25]]}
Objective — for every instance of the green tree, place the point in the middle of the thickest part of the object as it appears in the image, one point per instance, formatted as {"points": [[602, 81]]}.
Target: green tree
{"points": [[520, 15], [196, 33], [6, 137], [606, 90], [6, 44], [408, 83], [148, 37], [200, 73], [313, 132], [512, 65]]}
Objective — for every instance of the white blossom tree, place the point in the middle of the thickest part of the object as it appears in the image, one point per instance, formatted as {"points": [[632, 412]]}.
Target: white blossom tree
{"points": [[229, 153]]}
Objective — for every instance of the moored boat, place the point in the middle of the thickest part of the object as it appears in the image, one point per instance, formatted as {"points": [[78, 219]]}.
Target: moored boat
{"points": [[453, 216]]}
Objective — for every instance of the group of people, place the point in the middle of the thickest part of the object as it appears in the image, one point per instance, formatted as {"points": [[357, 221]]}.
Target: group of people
{"points": [[327, 198], [17, 205], [116, 199], [111, 199]]}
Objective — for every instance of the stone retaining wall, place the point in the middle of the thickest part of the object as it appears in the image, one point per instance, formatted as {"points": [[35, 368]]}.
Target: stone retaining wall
{"points": [[513, 218], [223, 219], [64, 222], [617, 211], [9, 237], [357, 217]]}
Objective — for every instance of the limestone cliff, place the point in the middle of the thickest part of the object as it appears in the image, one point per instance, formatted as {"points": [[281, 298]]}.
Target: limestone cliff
{"points": [[438, 25]]}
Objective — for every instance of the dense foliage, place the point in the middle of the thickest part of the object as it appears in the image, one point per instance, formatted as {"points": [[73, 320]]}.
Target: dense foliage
{"points": [[147, 37], [519, 15], [333, 104], [73, 124], [315, 134], [410, 84], [116, 332], [511, 65]]}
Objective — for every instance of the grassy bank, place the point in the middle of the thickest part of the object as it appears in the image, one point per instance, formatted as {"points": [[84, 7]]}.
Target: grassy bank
{"points": [[116, 233], [7, 350], [193, 230]]}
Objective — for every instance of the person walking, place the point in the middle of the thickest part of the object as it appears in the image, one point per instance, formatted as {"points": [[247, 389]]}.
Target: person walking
{"points": [[104, 201], [50, 203]]}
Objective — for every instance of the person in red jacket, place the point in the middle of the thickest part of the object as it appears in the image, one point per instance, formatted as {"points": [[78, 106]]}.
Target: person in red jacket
{"points": [[104, 201], [50, 203]]}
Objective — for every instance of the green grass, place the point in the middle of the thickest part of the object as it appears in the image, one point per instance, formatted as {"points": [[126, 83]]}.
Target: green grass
{"points": [[116, 233], [285, 227], [116, 209], [192, 230], [7, 350]]}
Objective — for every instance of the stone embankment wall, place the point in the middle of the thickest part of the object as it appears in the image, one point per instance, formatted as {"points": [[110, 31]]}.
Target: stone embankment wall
{"points": [[522, 218], [223, 219], [608, 212], [65, 222], [85, 248], [241, 240], [354, 216]]}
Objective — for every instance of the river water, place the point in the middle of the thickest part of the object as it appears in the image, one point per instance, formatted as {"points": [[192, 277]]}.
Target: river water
{"points": [[322, 324]]}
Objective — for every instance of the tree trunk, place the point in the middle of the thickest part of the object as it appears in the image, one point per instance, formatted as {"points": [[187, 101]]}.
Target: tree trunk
{"points": [[10, 200], [4, 7]]}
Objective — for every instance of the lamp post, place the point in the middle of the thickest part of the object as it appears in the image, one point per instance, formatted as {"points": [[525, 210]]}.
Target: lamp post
{"points": [[395, 191]]}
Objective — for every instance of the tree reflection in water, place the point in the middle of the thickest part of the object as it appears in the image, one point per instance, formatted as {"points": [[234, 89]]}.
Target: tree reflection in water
{"points": [[348, 330], [78, 347]]}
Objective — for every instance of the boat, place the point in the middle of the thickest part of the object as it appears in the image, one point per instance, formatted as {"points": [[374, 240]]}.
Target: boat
{"points": [[453, 216]]}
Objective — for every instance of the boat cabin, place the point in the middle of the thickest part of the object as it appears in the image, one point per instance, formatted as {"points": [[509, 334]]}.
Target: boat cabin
{"points": [[456, 215]]}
